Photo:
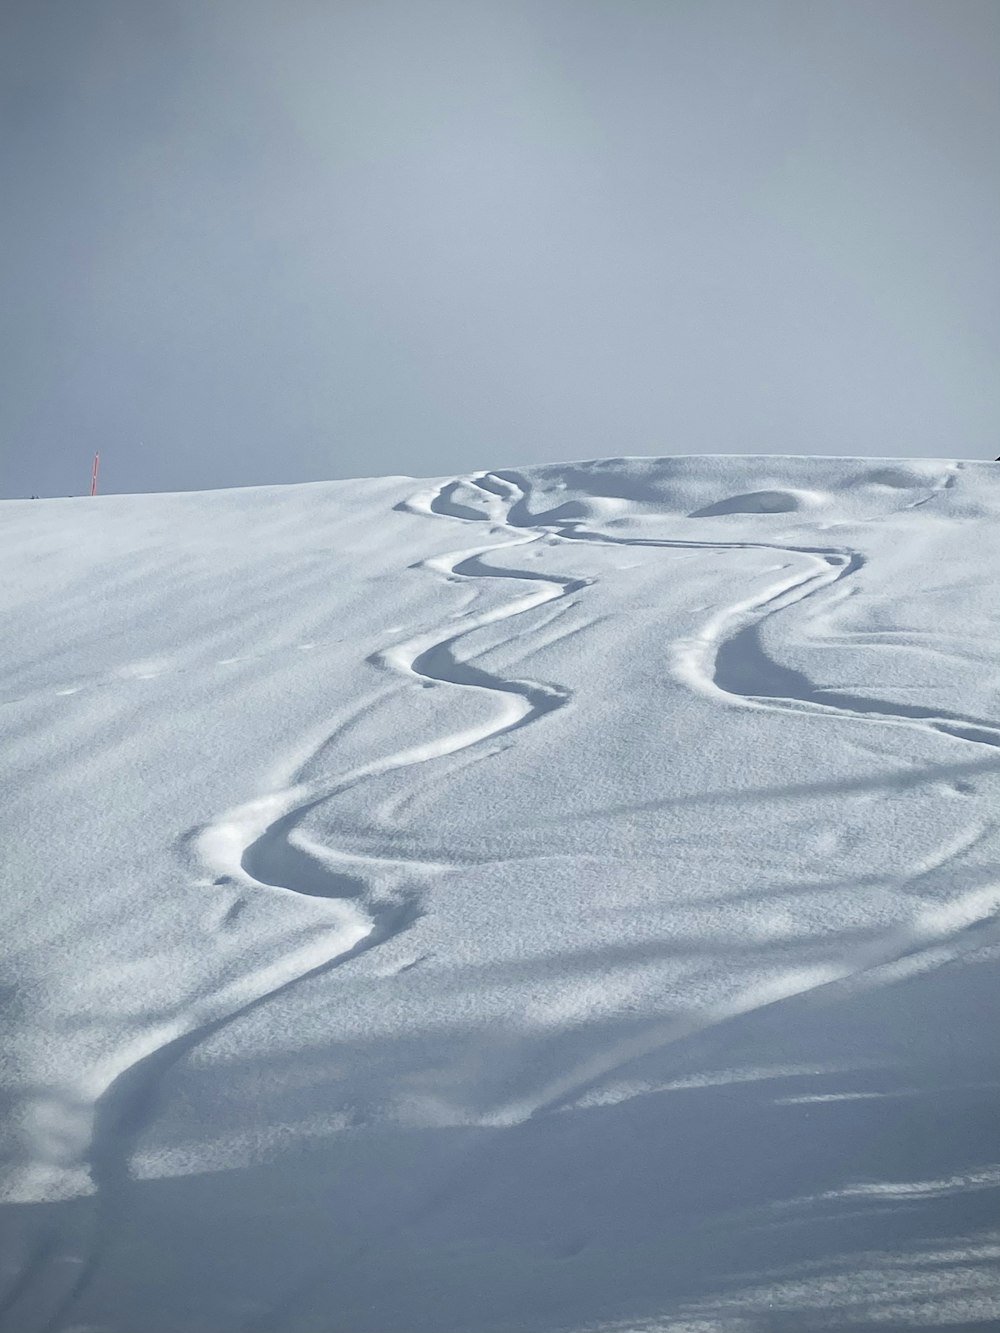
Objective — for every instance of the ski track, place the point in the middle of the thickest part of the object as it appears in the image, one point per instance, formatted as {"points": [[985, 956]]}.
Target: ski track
{"points": [[727, 662], [259, 846]]}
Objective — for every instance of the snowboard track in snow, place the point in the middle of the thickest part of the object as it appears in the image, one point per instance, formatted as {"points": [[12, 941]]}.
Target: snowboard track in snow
{"points": [[269, 857], [731, 661], [727, 662]]}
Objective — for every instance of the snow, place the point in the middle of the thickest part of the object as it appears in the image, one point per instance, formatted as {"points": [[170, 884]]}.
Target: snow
{"points": [[550, 899]]}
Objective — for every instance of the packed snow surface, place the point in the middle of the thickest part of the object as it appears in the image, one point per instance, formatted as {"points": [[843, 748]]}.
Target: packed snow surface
{"points": [[546, 900]]}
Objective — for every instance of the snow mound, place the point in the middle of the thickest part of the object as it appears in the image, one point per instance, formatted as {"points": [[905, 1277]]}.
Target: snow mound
{"points": [[762, 502]]}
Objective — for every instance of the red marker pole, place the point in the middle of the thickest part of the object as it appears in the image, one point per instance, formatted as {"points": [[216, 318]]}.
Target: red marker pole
{"points": [[93, 475]]}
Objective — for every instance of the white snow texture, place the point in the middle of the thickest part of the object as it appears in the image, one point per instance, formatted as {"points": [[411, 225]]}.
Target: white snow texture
{"points": [[543, 900]]}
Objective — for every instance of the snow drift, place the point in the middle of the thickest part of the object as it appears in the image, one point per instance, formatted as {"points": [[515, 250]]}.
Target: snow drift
{"points": [[548, 899]]}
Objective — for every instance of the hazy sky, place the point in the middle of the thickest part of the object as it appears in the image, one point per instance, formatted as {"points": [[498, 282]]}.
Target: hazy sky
{"points": [[251, 241]]}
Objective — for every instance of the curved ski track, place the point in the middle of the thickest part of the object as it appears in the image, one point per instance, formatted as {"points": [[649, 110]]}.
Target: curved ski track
{"points": [[727, 662], [259, 846]]}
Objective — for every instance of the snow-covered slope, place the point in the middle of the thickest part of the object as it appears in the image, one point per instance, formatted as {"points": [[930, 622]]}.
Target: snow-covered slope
{"points": [[541, 900]]}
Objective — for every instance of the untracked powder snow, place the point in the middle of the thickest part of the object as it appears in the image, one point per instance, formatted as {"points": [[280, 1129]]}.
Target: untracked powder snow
{"points": [[551, 899]]}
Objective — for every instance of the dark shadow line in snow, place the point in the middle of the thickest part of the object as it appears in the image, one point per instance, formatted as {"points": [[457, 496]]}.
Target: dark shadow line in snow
{"points": [[36, 1264], [720, 1168], [272, 859], [275, 860], [122, 1112], [439, 664], [738, 667], [742, 668], [446, 505], [901, 780], [675, 1031], [474, 566]]}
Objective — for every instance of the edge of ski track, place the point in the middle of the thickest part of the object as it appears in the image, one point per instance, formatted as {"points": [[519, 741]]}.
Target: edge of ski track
{"points": [[121, 1107]]}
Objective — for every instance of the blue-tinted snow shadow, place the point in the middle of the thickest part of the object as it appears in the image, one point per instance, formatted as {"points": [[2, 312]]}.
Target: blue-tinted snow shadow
{"points": [[697, 1201]]}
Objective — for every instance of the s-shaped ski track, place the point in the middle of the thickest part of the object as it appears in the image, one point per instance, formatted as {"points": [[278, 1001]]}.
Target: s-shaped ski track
{"points": [[709, 664], [260, 848]]}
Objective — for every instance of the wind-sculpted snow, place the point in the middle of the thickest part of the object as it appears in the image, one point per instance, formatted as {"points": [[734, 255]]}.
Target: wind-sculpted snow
{"points": [[540, 899]]}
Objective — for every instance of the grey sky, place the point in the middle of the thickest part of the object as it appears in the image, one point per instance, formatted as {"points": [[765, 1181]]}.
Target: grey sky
{"points": [[250, 242]]}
